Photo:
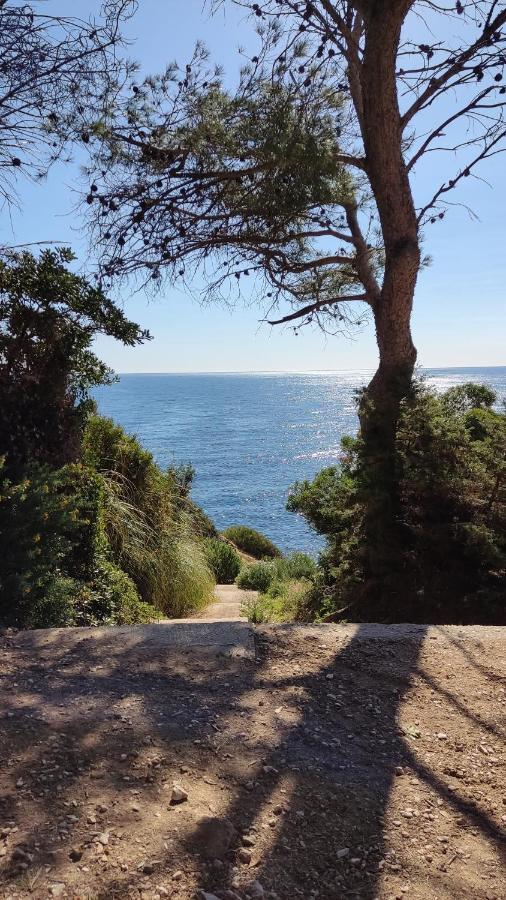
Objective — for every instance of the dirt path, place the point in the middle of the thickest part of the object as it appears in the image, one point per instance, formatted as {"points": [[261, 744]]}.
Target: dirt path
{"points": [[333, 762]]}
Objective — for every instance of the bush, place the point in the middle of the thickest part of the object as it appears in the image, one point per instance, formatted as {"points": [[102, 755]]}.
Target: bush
{"points": [[224, 561], [54, 569], [111, 599], [450, 456], [49, 523], [284, 601], [252, 542], [257, 576], [296, 566], [153, 528]]}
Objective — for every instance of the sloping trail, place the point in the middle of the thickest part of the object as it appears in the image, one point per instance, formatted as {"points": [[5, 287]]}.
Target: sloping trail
{"points": [[228, 604]]}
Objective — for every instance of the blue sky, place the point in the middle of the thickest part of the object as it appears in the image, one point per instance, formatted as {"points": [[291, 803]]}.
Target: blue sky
{"points": [[460, 308]]}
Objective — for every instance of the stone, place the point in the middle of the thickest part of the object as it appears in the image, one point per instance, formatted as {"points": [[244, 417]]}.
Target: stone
{"points": [[56, 890], [342, 853], [179, 795], [203, 895], [256, 890], [214, 837], [148, 869], [244, 855]]}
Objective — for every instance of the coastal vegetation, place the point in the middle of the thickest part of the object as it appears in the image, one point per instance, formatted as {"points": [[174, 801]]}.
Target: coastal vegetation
{"points": [[223, 559], [450, 456], [252, 542], [92, 530], [308, 167]]}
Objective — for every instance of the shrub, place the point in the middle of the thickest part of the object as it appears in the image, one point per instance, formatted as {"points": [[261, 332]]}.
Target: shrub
{"points": [[252, 542], [257, 576], [49, 523], [188, 578], [296, 566], [54, 569], [111, 599], [224, 561], [151, 523], [450, 456], [284, 601]]}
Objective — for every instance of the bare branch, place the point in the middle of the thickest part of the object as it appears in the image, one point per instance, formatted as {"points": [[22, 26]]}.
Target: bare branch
{"points": [[314, 307], [437, 84]]}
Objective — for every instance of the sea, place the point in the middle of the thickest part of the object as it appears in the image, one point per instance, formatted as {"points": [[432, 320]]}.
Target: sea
{"points": [[251, 436]]}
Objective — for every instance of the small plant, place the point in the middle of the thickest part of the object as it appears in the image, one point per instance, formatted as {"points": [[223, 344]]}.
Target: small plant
{"points": [[223, 560], [296, 566], [257, 576], [252, 542], [284, 601]]}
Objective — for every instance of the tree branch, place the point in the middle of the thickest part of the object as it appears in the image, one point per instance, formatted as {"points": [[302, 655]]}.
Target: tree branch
{"points": [[442, 82], [314, 307]]}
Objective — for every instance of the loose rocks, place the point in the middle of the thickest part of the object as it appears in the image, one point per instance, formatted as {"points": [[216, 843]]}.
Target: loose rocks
{"points": [[179, 795]]}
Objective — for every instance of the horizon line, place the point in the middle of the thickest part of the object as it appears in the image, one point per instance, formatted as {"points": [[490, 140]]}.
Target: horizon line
{"points": [[293, 371]]}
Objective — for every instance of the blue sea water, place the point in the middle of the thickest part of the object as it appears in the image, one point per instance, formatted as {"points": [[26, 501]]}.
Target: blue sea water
{"points": [[251, 436]]}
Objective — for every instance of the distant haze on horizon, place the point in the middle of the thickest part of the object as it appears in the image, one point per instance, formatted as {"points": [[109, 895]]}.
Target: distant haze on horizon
{"points": [[359, 371]]}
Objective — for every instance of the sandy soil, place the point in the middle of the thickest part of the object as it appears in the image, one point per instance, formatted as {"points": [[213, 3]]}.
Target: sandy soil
{"points": [[333, 763]]}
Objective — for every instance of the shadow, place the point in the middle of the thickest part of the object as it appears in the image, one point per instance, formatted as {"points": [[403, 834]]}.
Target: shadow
{"points": [[311, 750], [482, 669]]}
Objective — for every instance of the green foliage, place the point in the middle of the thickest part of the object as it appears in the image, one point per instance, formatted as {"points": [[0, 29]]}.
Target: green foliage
{"points": [[252, 542], [451, 462], [286, 587], [152, 525], [183, 476], [48, 319], [279, 139], [54, 569], [111, 598], [103, 541], [283, 601], [296, 566], [223, 560], [464, 397], [257, 576]]}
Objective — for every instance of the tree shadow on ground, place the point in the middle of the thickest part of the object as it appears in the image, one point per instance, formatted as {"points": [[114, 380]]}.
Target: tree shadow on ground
{"points": [[310, 750]]}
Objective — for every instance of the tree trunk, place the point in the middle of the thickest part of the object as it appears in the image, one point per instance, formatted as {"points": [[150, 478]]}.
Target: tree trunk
{"points": [[380, 407], [385, 544]]}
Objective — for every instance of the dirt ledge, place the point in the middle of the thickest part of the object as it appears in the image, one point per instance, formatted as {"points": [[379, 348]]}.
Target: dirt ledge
{"points": [[353, 761]]}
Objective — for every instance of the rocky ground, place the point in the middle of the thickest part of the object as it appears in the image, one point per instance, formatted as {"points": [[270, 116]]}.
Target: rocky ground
{"points": [[329, 763]]}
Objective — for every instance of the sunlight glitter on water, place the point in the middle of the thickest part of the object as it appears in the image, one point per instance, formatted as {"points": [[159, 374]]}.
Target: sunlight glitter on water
{"points": [[251, 436]]}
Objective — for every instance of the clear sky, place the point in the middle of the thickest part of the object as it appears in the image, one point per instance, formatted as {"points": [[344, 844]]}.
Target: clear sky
{"points": [[460, 309]]}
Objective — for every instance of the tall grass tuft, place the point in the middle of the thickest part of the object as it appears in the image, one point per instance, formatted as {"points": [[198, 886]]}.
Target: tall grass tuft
{"points": [[149, 522]]}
